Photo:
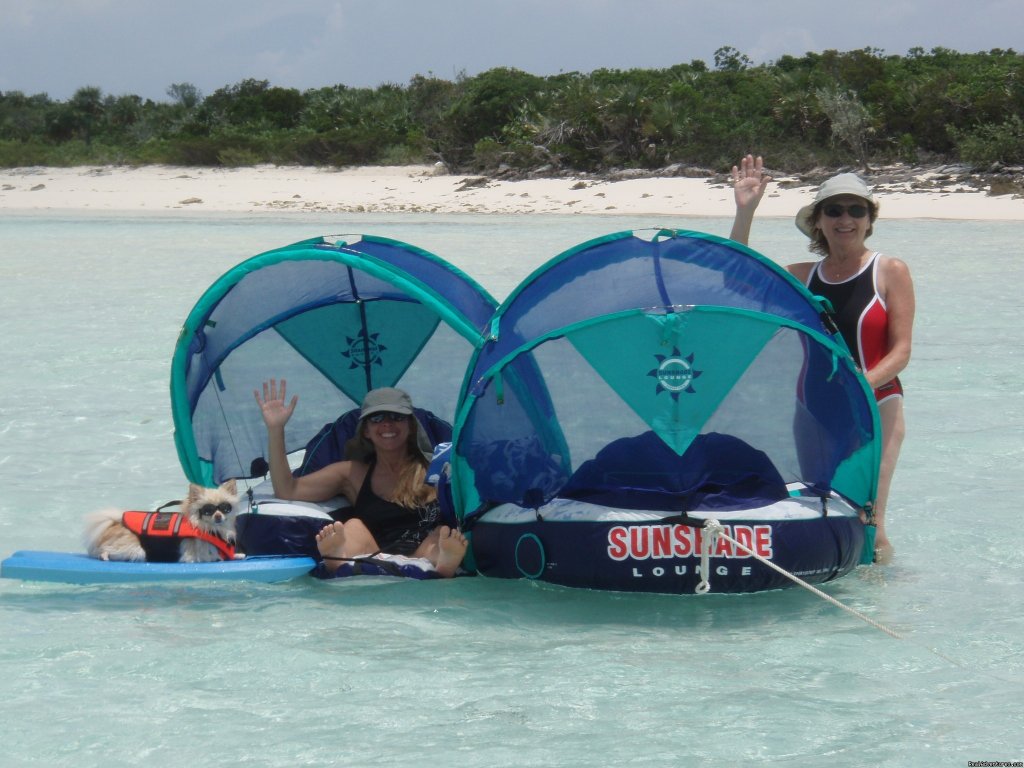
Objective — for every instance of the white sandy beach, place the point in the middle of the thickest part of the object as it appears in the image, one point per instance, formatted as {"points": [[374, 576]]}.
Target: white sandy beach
{"points": [[411, 189]]}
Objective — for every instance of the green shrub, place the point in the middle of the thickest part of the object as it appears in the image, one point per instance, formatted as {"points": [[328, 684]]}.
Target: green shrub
{"points": [[238, 157], [987, 144], [487, 154], [21, 154], [401, 154]]}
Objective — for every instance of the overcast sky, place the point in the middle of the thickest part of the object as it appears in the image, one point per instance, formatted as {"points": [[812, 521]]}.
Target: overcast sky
{"points": [[143, 46]]}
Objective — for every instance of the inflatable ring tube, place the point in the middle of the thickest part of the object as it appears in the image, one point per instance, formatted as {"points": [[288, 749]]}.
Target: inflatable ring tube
{"points": [[597, 547]]}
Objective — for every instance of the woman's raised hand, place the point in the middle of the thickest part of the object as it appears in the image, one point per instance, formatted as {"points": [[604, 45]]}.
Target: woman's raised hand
{"points": [[272, 405], [749, 182]]}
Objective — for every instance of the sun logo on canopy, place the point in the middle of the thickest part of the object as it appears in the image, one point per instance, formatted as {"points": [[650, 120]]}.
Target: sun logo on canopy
{"points": [[364, 350], [675, 374]]}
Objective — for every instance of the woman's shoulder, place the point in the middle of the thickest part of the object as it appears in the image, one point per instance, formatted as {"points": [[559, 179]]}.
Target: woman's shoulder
{"points": [[801, 270], [892, 270], [891, 263], [893, 278], [353, 468], [347, 471]]}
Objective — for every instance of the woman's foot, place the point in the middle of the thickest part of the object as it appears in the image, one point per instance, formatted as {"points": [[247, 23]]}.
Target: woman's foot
{"points": [[883, 548], [884, 553], [331, 544], [451, 545]]}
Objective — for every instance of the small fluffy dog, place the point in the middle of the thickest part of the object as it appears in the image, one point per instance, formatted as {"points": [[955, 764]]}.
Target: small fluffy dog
{"points": [[202, 531]]}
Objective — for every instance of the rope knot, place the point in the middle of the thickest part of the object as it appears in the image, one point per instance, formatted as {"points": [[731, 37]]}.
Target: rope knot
{"points": [[712, 530]]}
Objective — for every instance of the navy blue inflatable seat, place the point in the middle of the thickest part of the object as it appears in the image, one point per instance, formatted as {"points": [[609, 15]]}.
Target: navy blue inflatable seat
{"points": [[717, 471], [328, 446], [267, 534]]}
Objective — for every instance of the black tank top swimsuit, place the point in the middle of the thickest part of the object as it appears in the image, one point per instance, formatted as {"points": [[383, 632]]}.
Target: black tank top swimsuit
{"points": [[861, 317], [398, 530]]}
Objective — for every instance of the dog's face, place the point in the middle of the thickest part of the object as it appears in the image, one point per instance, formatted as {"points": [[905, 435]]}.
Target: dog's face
{"points": [[213, 509]]}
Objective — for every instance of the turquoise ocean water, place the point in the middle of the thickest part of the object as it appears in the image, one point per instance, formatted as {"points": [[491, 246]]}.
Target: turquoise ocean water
{"points": [[481, 672]]}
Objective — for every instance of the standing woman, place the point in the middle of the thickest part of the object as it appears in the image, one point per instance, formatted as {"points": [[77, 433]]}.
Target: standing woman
{"points": [[872, 294]]}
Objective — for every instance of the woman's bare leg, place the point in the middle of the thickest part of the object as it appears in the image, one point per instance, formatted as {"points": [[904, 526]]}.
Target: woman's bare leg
{"points": [[340, 541], [444, 547], [893, 431]]}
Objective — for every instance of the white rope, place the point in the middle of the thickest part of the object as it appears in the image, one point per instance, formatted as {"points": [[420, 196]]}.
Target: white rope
{"points": [[713, 530], [707, 543]]}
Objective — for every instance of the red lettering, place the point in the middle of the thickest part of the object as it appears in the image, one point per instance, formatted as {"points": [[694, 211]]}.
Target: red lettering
{"points": [[640, 542], [683, 546], [724, 547], [617, 543], [744, 535], [662, 541]]}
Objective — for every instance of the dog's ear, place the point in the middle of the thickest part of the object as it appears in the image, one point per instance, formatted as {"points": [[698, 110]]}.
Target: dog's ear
{"points": [[229, 486], [194, 492]]}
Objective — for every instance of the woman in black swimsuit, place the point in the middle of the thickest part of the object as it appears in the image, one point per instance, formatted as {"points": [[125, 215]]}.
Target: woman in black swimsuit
{"points": [[881, 318], [393, 509]]}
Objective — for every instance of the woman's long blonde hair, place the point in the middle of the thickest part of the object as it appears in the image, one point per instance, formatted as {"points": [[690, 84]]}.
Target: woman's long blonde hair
{"points": [[411, 489]]}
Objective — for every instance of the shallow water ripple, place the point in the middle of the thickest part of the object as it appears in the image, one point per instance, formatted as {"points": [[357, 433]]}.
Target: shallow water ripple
{"points": [[479, 672]]}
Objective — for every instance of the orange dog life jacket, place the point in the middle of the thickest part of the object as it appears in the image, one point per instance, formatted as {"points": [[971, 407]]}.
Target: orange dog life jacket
{"points": [[160, 532]]}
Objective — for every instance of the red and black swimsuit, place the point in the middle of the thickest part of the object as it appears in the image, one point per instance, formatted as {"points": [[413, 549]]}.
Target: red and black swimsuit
{"points": [[861, 317]]}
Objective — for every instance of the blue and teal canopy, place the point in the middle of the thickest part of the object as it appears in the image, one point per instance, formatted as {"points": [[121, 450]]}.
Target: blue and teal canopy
{"points": [[679, 341], [335, 317]]}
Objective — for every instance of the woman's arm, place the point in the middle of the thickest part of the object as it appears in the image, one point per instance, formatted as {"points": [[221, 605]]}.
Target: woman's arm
{"points": [[749, 183], [318, 486], [897, 291], [275, 414]]}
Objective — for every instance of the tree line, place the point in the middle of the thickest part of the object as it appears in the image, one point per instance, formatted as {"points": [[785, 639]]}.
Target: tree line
{"points": [[829, 109]]}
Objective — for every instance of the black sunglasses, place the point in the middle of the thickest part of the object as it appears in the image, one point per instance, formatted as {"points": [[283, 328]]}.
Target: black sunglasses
{"points": [[208, 510], [834, 210], [377, 418]]}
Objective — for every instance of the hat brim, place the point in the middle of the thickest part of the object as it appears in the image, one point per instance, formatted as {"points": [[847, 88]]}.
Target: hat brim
{"points": [[804, 220], [805, 216], [386, 408], [359, 452]]}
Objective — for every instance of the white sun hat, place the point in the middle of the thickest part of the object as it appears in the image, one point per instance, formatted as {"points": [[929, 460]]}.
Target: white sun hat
{"points": [[843, 184]]}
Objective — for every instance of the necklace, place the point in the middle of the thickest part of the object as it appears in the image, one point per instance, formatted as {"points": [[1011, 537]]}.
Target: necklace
{"points": [[838, 272]]}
